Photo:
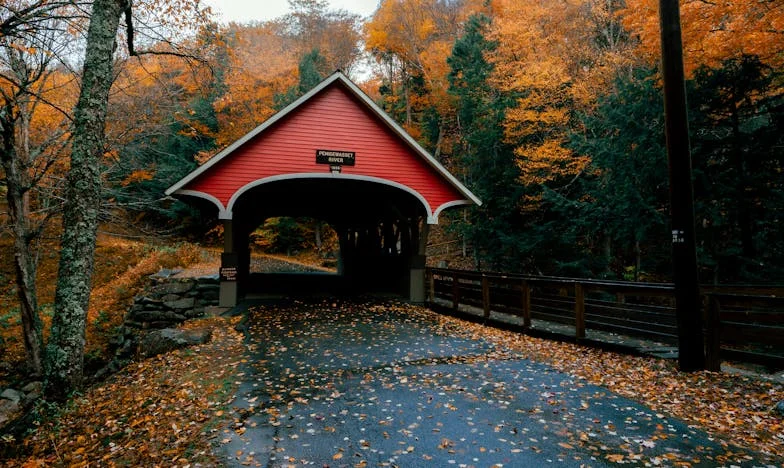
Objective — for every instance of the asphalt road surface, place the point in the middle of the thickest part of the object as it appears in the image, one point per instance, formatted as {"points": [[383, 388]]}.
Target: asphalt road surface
{"points": [[355, 384]]}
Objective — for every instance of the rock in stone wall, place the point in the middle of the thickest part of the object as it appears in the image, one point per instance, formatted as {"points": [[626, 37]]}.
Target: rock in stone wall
{"points": [[170, 301], [165, 303], [14, 403]]}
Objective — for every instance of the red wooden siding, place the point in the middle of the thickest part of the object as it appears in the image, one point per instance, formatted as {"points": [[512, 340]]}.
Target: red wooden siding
{"points": [[333, 120]]}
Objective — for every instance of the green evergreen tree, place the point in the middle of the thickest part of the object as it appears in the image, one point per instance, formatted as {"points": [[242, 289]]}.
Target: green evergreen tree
{"points": [[617, 211], [496, 229], [312, 70], [738, 118]]}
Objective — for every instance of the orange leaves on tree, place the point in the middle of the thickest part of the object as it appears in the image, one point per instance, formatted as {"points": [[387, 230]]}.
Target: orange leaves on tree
{"points": [[572, 51], [262, 62], [713, 31], [542, 163], [419, 35], [138, 176]]}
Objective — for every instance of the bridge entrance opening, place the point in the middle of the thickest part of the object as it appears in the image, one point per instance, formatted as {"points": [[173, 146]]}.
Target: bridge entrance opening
{"points": [[378, 233], [333, 156]]}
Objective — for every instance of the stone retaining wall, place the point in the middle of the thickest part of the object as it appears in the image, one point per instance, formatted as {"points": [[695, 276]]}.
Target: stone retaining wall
{"points": [[170, 301], [165, 303]]}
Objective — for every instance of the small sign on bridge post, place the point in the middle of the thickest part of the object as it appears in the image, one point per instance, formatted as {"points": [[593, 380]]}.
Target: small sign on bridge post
{"points": [[228, 268]]}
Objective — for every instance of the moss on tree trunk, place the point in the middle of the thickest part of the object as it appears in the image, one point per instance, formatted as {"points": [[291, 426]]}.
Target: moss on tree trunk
{"points": [[65, 349]]}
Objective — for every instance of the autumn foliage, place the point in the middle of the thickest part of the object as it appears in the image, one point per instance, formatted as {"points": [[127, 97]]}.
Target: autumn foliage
{"points": [[122, 270], [713, 31], [573, 50], [549, 110]]}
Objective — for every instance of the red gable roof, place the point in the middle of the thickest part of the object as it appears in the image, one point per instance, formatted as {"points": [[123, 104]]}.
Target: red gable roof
{"points": [[336, 115]]}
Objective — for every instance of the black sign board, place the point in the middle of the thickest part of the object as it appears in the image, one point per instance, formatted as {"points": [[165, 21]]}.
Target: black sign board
{"points": [[228, 269], [228, 273], [335, 158]]}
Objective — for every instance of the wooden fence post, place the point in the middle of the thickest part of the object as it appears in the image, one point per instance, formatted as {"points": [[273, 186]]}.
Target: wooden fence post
{"points": [[455, 291], [526, 304], [579, 310], [713, 330], [486, 296]]}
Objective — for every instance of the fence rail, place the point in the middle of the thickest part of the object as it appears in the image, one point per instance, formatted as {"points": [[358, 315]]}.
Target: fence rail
{"points": [[741, 322]]}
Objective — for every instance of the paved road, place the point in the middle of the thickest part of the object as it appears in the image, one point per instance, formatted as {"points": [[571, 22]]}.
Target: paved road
{"points": [[351, 384]]}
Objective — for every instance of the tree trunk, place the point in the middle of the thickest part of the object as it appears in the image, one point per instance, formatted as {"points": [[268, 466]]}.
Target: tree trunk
{"points": [[744, 215], [25, 268], [407, 97], [637, 260], [18, 197], [439, 141], [317, 233], [65, 350]]}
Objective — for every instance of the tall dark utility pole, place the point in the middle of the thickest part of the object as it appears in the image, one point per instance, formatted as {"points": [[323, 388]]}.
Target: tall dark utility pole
{"points": [[691, 347]]}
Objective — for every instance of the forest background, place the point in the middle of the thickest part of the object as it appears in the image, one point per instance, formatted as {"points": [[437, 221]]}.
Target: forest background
{"points": [[550, 111]]}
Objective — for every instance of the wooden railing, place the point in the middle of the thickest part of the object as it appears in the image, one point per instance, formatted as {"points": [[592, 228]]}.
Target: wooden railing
{"points": [[741, 323]]}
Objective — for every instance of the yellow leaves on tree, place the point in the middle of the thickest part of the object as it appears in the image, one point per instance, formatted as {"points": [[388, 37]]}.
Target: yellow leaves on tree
{"points": [[415, 38], [262, 63], [402, 28], [557, 56], [138, 176], [713, 31], [538, 162]]}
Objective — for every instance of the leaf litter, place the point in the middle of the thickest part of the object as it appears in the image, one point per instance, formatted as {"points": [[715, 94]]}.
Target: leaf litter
{"points": [[735, 407], [163, 411], [174, 410], [320, 370]]}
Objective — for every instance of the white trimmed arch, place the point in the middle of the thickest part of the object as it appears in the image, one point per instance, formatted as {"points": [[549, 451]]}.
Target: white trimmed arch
{"points": [[223, 213], [432, 218], [441, 208]]}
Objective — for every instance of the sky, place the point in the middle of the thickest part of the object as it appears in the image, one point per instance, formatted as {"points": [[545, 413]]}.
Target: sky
{"points": [[263, 10]]}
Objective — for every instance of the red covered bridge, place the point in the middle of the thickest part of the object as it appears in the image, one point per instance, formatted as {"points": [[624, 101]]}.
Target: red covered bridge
{"points": [[332, 155]]}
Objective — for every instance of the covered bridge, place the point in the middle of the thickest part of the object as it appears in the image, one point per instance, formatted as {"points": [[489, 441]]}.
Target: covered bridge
{"points": [[332, 155]]}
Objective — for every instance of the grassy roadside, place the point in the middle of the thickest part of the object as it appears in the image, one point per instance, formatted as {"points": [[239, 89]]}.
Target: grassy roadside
{"points": [[121, 270]]}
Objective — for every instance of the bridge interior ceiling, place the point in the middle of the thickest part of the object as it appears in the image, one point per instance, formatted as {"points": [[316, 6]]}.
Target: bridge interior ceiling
{"points": [[342, 203]]}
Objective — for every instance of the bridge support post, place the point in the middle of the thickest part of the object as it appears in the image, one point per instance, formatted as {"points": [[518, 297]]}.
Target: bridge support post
{"points": [[242, 251], [417, 279], [228, 270], [417, 267]]}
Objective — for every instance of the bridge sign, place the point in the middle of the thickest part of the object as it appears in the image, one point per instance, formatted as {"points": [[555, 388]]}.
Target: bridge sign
{"points": [[335, 158]]}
